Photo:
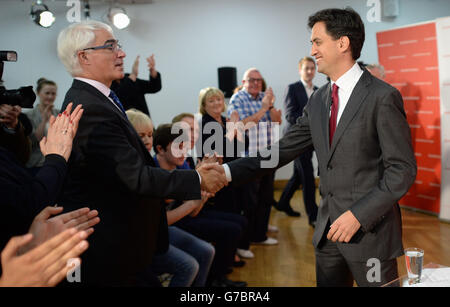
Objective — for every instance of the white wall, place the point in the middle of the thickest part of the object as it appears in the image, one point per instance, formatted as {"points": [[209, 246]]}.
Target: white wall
{"points": [[191, 38]]}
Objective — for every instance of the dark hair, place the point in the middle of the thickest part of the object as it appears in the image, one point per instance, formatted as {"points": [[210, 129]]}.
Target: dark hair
{"points": [[42, 82], [342, 22], [163, 136]]}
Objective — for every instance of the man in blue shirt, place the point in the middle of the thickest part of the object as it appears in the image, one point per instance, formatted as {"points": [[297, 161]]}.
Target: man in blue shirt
{"points": [[256, 111]]}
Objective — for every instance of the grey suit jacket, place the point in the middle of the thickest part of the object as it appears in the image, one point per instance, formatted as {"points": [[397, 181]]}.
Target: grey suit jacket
{"points": [[368, 168]]}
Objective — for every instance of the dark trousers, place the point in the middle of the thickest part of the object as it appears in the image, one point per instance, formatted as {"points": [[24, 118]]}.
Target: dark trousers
{"points": [[231, 199], [333, 270], [221, 228], [257, 198], [303, 174]]}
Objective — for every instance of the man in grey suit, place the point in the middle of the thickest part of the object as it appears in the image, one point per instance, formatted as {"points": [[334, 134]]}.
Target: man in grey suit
{"points": [[359, 131]]}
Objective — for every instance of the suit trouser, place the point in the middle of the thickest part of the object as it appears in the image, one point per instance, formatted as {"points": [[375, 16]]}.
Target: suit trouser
{"points": [[303, 174], [258, 206], [333, 270]]}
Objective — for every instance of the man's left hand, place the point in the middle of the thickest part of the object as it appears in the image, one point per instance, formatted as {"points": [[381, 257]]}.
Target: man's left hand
{"points": [[343, 228]]}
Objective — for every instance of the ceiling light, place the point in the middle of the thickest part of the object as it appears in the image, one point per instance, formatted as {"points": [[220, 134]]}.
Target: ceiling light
{"points": [[118, 17], [41, 14]]}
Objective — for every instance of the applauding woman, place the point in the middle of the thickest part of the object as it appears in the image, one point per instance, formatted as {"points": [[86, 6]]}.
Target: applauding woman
{"points": [[39, 117]]}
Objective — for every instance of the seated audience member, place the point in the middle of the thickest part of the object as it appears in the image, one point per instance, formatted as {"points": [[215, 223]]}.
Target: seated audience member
{"points": [[131, 90], [193, 131], [39, 117], [143, 126], [188, 258], [227, 143], [112, 170], [221, 228]]}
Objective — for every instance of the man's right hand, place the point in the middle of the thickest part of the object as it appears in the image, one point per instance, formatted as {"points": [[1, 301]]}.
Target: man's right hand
{"points": [[268, 99], [134, 70], [213, 177]]}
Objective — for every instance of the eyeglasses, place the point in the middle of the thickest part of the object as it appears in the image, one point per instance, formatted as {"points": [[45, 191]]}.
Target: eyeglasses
{"points": [[252, 80], [114, 46]]}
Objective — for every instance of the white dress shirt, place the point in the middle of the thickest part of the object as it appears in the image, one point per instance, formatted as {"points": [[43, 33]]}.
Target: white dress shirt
{"points": [[309, 90], [346, 84], [101, 87]]}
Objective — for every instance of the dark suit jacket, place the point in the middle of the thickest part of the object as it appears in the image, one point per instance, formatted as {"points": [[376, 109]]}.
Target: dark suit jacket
{"points": [[368, 168], [294, 102], [111, 170]]}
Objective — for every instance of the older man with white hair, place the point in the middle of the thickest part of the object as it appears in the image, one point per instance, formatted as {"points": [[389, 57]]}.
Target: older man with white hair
{"points": [[256, 111], [110, 168]]}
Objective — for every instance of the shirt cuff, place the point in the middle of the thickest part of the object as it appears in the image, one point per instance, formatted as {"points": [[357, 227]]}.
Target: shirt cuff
{"points": [[199, 177], [226, 168]]}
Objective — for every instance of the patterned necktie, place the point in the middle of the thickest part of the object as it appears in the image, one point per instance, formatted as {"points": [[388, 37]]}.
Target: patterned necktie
{"points": [[116, 101], [334, 111]]}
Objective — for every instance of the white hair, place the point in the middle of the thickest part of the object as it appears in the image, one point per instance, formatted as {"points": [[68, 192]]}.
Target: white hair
{"points": [[248, 71], [74, 38]]}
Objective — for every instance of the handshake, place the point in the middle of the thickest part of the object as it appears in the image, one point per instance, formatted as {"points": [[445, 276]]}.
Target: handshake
{"points": [[212, 173]]}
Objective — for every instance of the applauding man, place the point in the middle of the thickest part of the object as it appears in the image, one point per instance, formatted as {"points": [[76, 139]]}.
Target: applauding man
{"points": [[131, 90]]}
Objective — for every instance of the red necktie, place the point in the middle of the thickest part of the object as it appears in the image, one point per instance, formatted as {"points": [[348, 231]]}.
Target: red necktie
{"points": [[334, 110]]}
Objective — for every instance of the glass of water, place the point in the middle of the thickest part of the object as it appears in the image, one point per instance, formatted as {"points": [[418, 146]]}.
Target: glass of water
{"points": [[414, 264]]}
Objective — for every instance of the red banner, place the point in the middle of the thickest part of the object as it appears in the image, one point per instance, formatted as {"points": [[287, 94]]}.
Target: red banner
{"points": [[409, 56]]}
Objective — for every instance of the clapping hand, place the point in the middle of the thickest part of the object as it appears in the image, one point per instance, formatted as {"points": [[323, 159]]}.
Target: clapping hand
{"points": [[61, 132], [151, 66], [268, 100], [44, 266], [236, 129], [134, 70], [45, 227], [275, 115]]}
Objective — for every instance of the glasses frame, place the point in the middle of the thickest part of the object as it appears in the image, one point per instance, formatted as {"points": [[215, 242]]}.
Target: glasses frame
{"points": [[254, 80], [109, 46]]}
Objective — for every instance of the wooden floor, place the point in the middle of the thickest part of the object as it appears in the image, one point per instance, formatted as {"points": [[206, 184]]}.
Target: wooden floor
{"points": [[291, 263]]}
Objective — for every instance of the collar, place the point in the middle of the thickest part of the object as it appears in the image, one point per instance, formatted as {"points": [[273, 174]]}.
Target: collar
{"points": [[306, 84], [348, 80], [98, 85]]}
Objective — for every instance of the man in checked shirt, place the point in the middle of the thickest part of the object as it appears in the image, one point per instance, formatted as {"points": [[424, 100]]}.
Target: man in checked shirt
{"points": [[261, 119]]}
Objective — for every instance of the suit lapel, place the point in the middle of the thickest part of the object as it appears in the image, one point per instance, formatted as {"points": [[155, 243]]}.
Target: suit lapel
{"points": [[325, 116], [85, 86], [303, 96], [355, 101]]}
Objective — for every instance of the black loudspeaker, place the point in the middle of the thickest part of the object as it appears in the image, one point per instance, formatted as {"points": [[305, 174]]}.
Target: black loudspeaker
{"points": [[227, 80]]}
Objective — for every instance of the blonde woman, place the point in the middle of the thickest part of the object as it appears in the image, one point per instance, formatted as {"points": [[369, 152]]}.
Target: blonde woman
{"points": [[143, 126]]}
